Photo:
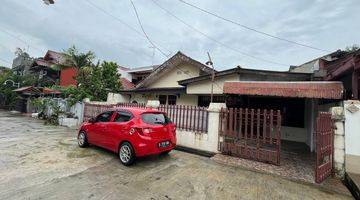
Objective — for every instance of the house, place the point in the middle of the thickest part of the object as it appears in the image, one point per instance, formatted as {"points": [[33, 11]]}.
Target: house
{"points": [[201, 85], [341, 66], [44, 69], [66, 76], [160, 82], [22, 63]]}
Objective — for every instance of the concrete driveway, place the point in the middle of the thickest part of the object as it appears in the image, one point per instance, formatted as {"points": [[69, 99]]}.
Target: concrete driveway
{"points": [[44, 162]]}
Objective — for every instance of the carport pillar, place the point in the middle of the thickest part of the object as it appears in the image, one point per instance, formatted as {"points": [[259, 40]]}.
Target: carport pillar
{"points": [[339, 140], [213, 125]]}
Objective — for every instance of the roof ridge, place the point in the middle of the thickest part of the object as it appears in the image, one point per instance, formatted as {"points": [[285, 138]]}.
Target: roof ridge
{"points": [[168, 62]]}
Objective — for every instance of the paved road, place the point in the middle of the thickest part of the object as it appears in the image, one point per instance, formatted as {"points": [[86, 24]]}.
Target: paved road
{"points": [[44, 162]]}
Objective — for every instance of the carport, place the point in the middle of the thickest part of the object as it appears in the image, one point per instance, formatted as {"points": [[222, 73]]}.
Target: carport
{"points": [[279, 120]]}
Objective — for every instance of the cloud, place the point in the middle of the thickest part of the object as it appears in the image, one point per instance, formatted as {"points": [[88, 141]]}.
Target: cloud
{"points": [[324, 24]]}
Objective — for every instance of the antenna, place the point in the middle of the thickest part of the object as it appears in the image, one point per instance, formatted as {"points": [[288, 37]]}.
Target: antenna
{"points": [[153, 54], [212, 76]]}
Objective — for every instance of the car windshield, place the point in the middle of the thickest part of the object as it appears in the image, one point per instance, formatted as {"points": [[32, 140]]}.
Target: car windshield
{"points": [[155, 118]]}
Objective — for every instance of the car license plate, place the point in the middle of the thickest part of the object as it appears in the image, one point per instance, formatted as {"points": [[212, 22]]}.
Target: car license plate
{"points": [[164, 144]]}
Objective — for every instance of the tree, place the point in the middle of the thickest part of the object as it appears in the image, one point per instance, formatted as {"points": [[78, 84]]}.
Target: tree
{"points": [[111, 77], [83, 62], [102, 79], [94, 81], [74, 58], [6, 91]]}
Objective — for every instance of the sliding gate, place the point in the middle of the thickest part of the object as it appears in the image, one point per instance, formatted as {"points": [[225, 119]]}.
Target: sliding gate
{"points": [[324, 146], [251, 133]]}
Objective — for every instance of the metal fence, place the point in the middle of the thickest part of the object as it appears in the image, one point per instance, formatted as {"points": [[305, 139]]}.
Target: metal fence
{"points": [[92, 110], [189, 118], [251, 133]]}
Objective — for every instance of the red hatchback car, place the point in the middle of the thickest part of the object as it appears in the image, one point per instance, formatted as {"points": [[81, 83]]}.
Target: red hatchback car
{"points": [[130, 132]]}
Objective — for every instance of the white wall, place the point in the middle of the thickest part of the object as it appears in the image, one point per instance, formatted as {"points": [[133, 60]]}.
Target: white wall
{"points": [[352, 128], [183, 99], [118, 98], [171, 78], [204, 87], [352, 137], [200, 141]]}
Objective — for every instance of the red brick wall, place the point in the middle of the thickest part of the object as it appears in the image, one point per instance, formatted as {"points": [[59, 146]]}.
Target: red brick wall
{"points": [[67, 77]]}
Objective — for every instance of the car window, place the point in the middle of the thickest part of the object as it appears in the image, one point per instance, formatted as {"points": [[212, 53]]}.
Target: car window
{"points": [[155, 118], [104, 117], [122, 116]]}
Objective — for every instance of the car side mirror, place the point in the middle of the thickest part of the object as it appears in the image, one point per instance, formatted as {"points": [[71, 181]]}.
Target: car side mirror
{"points": [[92, 120]]}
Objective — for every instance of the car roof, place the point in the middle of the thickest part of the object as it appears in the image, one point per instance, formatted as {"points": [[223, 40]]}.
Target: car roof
{"points": [[137, 110]]}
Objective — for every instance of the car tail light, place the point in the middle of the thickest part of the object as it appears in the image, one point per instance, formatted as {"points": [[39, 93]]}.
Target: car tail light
{"points": [[142, 131]]}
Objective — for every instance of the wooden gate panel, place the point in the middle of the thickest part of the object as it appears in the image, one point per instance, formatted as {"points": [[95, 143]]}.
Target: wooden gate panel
{"points": [[324, 146], [252, 134]]}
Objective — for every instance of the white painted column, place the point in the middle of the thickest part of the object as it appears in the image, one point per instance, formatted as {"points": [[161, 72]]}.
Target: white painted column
{"points": [[153, 104], [213, 125], [339, 140], [114, 98], [313, 115]]}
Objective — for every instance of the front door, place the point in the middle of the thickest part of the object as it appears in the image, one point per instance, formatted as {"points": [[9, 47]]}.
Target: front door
{"points": [[324, 146]]}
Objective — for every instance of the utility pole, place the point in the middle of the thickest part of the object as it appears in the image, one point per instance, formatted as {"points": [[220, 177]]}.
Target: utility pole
{"points": [[212, 77]]}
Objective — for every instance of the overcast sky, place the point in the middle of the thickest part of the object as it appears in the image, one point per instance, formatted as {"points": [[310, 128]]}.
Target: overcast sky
{"points": [[329, 25]]}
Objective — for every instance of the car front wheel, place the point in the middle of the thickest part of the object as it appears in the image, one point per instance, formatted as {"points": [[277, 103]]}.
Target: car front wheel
{"points": [[82, 140], [126, 154]]}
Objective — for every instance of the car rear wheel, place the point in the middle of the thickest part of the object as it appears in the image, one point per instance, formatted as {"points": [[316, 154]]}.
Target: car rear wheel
{"points": [[82, 140], [126, 154]]}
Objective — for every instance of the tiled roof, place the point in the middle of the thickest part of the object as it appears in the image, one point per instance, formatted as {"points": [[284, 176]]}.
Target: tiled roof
{"points": [[127, 85], [303, 89]]}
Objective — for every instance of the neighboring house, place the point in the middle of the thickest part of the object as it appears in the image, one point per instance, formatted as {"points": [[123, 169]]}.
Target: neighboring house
{"points": [[67, 75], [160, 82], [22, 63], [43, 68], [338, 66], [313, 65]]}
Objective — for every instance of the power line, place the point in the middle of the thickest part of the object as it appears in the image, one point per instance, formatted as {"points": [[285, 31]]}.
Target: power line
{"points": [[118, 19], [215, 40], [113, 16], [18, 38], [143, 30], [253, 29]]}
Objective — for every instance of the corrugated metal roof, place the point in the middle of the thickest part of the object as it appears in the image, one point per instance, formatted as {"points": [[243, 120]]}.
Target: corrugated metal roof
{"points": [[304, 89]]}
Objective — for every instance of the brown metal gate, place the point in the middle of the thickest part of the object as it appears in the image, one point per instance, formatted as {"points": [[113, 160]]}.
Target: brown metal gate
{"points": [[251, 133], [324, 146]]}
